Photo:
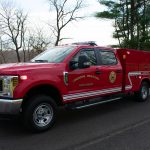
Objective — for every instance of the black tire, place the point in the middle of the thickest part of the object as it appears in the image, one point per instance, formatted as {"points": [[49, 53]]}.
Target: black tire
{"points": [[39, 113], [143, 94]]}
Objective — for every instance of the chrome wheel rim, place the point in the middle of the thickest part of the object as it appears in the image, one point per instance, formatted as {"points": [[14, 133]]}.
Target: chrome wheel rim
{"points": [[43, 115], [144, 92]]}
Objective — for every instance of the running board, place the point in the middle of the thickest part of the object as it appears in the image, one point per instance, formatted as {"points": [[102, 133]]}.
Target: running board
{"points": [[96, 103]]}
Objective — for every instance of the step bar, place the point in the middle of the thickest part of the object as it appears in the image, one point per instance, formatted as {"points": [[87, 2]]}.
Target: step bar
{"points": [[96, 103]]}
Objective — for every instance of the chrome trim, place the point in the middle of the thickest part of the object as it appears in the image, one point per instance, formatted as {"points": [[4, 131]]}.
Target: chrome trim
{"points": [[2, 77], [8, 106], [101, 102], [43, 115]]}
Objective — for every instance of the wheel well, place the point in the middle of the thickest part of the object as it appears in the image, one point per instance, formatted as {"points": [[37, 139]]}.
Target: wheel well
{"points": [[44, 89], [147, 81]]}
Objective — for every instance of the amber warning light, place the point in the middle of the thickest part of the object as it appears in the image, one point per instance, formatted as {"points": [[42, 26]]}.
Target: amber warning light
{"points": [[124, 56], [23, 77]]}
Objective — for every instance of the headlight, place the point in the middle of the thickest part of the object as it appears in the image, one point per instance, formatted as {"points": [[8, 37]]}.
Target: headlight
{"points": [[8, 84]]}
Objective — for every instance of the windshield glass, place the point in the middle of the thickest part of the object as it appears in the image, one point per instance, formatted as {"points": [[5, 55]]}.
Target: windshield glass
{"points": [[54, 55]]}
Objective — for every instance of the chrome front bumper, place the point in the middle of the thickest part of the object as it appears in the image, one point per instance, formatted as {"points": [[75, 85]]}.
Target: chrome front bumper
{"points": [[8, 106]]}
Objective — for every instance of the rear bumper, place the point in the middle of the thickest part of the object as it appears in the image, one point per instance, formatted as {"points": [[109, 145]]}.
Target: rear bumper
{"points": [[8, 106]]}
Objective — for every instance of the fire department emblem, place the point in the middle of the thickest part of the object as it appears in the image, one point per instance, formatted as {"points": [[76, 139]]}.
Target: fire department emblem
{"points": [[112, 77]]}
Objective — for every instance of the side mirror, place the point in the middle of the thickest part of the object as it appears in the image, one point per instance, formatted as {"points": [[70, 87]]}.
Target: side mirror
{"points": [[73, 65], [83, 62]]}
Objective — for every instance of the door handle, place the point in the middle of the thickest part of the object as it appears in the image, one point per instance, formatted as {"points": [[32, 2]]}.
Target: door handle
{"points": [[98, 72], [118, 71]]}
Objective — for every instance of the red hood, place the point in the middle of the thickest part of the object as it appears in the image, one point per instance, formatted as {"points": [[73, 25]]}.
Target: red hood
{"points": [[17, 68]]}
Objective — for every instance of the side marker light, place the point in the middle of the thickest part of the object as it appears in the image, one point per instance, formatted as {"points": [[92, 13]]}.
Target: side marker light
{"points": [[23, 77]]}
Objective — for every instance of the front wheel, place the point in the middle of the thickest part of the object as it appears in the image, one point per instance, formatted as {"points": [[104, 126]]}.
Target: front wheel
{"points": [[39, 113], [143, 94]]}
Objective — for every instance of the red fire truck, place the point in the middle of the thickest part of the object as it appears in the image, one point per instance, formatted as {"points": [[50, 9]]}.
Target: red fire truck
{"points": [[73, 76]]}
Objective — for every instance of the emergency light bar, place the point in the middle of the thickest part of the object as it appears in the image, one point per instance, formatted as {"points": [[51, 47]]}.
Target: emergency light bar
{"points": [[91, 43]]}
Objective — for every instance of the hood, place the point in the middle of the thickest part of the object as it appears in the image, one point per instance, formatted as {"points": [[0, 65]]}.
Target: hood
{"points": [[16, 68]]}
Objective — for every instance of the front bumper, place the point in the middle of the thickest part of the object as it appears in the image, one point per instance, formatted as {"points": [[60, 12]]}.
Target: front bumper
{"points": [[8, 106]]}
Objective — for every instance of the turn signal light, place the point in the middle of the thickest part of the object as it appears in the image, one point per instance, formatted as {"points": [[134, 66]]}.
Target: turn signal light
{"points": [[124, 56]]}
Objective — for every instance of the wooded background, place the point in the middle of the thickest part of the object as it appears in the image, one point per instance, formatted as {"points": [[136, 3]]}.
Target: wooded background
{"points": [[20, 43], [131, 22]]}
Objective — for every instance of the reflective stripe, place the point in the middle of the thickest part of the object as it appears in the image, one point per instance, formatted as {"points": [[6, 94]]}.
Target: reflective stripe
{"points": [[105, 91], [136, 73], [91, 93], [128, 87]]}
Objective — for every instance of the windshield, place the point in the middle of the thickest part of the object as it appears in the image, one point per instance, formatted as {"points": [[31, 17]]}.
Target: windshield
{"points": [[54, 55]]}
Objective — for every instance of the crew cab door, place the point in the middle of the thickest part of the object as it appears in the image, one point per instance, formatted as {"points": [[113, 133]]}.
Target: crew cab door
{"points": [[111, 71], [103, 77]]}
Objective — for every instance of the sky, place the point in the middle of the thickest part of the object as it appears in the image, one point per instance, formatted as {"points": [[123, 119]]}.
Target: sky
{"points": [[88, 29]]}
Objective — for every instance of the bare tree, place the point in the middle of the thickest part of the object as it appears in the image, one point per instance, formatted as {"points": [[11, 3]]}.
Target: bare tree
{"points": [[64, 15], [39, 42], [2, 56], [35, 43], [12, 25]]}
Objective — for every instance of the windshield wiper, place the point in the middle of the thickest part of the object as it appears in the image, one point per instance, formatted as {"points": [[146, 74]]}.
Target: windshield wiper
{"points": [[41, 61]]}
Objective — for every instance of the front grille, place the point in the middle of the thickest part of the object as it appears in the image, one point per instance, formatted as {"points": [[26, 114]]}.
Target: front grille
{"points": [[15, 81], [1, 85]]}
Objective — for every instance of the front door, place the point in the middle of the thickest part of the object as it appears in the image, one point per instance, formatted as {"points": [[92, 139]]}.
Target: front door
{"points": [[82, 83]]}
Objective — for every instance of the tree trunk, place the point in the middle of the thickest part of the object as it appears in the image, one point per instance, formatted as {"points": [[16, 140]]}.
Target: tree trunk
{"points": [[18, 56], [127, 22], [132, 22], [57, 38]]}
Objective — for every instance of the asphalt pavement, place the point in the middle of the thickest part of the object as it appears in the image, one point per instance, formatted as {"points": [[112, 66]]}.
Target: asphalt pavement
{"points": [[119, 125]]}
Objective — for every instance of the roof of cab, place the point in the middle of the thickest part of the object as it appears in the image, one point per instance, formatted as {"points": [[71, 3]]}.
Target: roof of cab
{"points": [[89, 44]]}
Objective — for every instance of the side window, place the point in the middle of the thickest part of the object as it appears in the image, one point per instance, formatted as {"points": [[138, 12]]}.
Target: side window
{"points": [[108, 57], [90, 53]]}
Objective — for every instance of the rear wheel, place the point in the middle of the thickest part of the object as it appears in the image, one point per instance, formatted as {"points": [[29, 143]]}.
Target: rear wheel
{"points": [[39, 113], [143, 94]]}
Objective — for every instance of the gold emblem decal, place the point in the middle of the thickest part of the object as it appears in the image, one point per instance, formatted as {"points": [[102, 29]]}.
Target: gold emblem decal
{"points": [[112, 77]]}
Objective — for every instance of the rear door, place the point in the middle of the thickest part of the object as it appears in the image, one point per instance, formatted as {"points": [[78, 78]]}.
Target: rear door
{"points": [[111, 71]]}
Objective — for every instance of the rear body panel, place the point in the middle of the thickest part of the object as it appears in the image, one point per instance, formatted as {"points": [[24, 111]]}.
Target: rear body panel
{"points": [[136, 67]]}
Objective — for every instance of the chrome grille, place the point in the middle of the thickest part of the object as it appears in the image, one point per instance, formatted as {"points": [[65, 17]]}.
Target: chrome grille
{"points": [[15, 81]]}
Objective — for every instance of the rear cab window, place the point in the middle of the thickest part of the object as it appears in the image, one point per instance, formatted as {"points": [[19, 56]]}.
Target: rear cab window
{"points": [[107, 57]]}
